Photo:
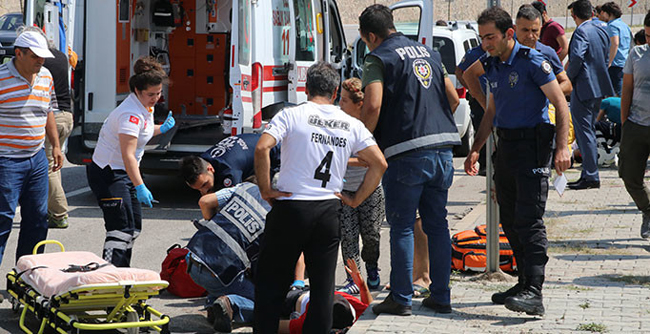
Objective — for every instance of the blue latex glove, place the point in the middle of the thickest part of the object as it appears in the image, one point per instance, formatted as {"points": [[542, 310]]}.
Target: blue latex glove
{"points": [[169, 123], [144, 195]]}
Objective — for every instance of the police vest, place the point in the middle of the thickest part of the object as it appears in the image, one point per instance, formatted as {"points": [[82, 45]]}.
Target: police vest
{"points": [[415, 111], [228, 244]]}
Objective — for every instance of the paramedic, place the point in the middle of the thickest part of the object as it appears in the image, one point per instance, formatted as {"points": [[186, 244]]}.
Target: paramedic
{"points": [[114, 174], [523, 157], [26, 118], [317, 139], [408, 103]]}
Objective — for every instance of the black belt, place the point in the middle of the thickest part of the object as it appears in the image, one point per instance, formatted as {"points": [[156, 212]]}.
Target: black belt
{"points": [[517, 134]]}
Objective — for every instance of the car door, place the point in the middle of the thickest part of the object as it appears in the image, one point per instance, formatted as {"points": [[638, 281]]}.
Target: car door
{"points": [[335, 49], [302, 47], [414, 18]]}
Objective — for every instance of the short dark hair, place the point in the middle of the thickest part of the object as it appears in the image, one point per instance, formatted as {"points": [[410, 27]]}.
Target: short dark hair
{"points": [[501, 19], [322, 79], [341, 313], [376, 19], [639, 37], [529, 13], [598, 9], [646, 20], [612, 8], [582, 9], [441, 23], [540, 6], [191, 167]]}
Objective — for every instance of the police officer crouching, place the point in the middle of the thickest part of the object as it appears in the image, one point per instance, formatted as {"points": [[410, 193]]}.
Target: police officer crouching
{"points": [[525, 147]]}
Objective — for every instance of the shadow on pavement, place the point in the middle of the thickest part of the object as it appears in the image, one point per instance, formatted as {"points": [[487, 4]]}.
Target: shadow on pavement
{"points": [[614, 280], [604, 245]]}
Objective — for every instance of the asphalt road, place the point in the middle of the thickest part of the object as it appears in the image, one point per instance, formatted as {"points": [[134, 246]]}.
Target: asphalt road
{"points": [[169, 223]]}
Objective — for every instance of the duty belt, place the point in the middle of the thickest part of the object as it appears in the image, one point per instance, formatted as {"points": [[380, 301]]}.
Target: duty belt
{"points": [[517, 134]]}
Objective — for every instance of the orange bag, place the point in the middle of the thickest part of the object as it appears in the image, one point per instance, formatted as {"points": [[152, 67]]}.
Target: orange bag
{"points": [[468, 251]]}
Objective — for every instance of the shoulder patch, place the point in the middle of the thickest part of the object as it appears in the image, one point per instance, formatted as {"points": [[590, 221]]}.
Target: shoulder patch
{"points": [[134, 120], [546, 67], [227, 182]]}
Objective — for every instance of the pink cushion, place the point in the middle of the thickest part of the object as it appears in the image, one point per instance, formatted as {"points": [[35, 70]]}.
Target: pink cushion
{"points": [[52, 281]]}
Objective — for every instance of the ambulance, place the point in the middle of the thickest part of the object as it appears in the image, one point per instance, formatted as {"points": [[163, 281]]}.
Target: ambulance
{"points": [[232, 64]]}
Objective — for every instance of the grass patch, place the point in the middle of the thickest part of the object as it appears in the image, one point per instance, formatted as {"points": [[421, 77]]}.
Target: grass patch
{"points": [[584, 249], [578, 288], [631, 280], [592, 327], [584, 305]]}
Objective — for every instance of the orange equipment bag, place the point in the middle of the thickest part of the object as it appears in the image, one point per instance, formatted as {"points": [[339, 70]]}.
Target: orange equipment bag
{"points": [[468, 251]]}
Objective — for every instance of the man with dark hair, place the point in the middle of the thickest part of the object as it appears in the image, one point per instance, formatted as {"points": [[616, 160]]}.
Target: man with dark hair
{"points": [[523, 158], [552, 33], [639, 37], [620, 37], [635, 116], [409, 102], [587, 70], [224, 165], [317, 139]]}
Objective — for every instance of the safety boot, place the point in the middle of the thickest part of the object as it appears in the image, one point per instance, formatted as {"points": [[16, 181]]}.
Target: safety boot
{"points": [[500, 297], [529, 299]]}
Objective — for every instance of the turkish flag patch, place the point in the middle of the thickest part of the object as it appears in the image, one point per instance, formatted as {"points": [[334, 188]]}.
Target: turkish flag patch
{"points": [[134, 120]]}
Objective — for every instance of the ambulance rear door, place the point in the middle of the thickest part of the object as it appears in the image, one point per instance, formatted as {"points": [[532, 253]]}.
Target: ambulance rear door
{"points": [[414, 18], [301, 41], [335, 49], [241, 76]]}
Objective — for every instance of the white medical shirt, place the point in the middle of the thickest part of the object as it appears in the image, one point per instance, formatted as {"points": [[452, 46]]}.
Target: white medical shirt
{"points": [[317, 141], [130, 118]]}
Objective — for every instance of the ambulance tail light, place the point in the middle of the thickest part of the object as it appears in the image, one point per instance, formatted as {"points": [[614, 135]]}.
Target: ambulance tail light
{"points": [[256, 92], [462, 92]]}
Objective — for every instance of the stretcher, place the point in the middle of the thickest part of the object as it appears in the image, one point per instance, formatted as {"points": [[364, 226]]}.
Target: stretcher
{"points": [[79, 291]]}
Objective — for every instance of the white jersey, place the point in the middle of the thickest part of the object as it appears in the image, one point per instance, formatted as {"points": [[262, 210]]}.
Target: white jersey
{"points": [[317, 141], [130, 118]]}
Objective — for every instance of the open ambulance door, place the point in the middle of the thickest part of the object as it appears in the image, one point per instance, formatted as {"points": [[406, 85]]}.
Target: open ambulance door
{"points": [[414, 18], [245, 87], [55, 17], [302, 47], [335, 49]]}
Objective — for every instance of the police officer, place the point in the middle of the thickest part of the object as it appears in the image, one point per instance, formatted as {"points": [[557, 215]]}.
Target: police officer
{"points": [[229, 162], [114, 174], [522, 83], [317, 139], [409, 101], [223, 254]]}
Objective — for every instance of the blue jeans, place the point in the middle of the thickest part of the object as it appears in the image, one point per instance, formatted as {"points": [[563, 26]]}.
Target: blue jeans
{"points": [[241, 292], [419, 180], [23, 181]]}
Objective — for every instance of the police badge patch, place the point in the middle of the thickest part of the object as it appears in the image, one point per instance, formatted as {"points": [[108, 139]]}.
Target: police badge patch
{"points": [[513, 78], [546, 67], [422, 71], [227, 182]]}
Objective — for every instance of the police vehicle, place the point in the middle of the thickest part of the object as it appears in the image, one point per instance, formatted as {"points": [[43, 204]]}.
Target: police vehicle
{"points": [[231, 63], [414, 18]]}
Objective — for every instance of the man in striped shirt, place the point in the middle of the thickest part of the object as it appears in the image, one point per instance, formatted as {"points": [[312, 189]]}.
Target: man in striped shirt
{"points": [[26, 102]]}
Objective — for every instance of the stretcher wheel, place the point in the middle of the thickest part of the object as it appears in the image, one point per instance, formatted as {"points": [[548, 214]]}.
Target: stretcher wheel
{"points": [[132, 317], [15, 304]]}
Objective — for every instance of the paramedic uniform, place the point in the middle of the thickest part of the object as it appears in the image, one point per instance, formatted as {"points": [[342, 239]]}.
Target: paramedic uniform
{"points": [[111, 185], [524, 151], [317, 141]]}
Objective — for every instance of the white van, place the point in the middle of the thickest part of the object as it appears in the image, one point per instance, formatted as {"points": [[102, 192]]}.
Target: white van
{"points": [[414, 18], [232, 63]]}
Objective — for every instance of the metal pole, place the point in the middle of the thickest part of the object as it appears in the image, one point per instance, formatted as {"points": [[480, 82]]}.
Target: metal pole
{"points": [[492, 214], [448, 10]]}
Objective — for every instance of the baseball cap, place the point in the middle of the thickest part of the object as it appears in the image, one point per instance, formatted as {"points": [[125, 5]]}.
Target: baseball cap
{"points": [[35, 42]]}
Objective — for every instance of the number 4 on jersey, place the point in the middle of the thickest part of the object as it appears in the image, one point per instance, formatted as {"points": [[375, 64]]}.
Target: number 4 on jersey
{"points": [[325, 164]]}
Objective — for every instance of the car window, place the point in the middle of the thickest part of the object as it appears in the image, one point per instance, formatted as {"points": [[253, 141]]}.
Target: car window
{"points": [[445, 47], [10, 22], [473, 42], [466, 45], [407, 21], [244, 26], [304, 13]]}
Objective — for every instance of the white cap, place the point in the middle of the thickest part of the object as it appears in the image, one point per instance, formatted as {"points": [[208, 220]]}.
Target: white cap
{"points": [[35, 42]]}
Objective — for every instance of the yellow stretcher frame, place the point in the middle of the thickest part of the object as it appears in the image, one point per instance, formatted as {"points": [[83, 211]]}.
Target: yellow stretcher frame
{"points": [[118, 305]]}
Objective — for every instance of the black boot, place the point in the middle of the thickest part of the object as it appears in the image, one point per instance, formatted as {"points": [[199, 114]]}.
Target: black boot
{"points": [[500, 297], [529, 299]]}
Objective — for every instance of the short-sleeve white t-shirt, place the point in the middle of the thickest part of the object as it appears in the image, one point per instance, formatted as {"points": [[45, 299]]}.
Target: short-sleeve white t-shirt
{"points": [[130, 118], [317, 141]]}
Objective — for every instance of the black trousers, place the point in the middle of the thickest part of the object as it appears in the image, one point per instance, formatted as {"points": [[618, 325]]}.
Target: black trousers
{"points": [[521, 178], [477, 113], [293, 227], [122, 212]]}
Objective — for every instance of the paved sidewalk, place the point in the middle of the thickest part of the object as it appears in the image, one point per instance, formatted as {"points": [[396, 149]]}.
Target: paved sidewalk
{"points": [[598, 275]]}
